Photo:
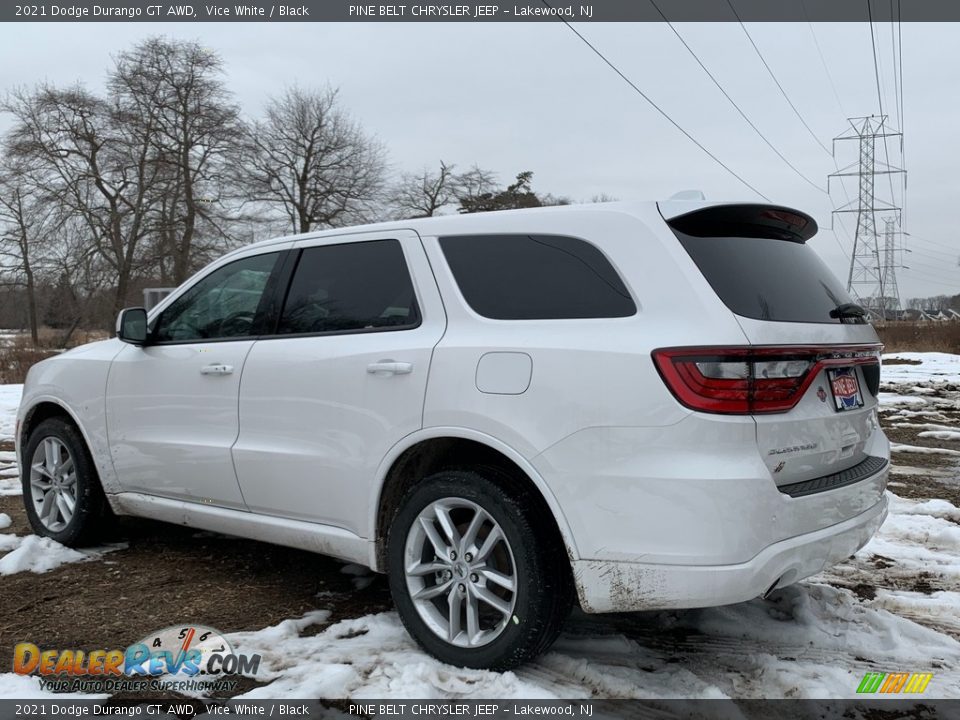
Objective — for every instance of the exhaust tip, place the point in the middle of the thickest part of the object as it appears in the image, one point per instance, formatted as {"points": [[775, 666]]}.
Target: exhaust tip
{"points": [[770, 589]]}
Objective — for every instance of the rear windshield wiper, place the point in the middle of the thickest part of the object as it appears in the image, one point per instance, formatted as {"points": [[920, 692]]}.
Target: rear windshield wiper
{"points": [[846, 311]]}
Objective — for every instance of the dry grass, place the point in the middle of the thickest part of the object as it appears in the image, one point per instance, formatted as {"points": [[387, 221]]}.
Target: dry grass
{"points": [[920, 337], [19, 353]]}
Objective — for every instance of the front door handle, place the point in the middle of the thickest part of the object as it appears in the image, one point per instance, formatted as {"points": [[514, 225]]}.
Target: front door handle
{"points": [[389, 367], [217, 369]]}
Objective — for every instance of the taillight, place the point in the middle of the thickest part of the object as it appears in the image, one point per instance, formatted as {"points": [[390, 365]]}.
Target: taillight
{"points": [[746, 380]]}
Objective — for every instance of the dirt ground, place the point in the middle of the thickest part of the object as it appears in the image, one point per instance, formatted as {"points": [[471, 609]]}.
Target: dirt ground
{"points": [[169, 575]]}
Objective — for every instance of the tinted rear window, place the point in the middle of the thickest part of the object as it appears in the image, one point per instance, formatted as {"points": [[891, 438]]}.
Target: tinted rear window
{"points": [[767, 279], [535, 277], [351, 287]]}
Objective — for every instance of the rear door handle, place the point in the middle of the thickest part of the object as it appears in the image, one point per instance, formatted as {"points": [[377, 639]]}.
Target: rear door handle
{"points": [[217, 369], [389, 367]]}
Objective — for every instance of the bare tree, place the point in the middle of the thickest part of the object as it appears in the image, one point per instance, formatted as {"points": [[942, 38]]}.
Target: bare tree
{"points": [[176, 88], [28, 222], [100, 166], [475, 183], [310, 159], [425, 194]]}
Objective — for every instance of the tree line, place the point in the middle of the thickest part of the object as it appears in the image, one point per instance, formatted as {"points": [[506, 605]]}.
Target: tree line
{"points": [[104, 194]]}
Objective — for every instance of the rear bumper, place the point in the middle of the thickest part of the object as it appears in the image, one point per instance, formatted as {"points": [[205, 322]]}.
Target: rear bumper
{"points": [[609, 586]]}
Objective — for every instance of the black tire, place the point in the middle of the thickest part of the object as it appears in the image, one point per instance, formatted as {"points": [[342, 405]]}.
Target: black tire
{"points": [[92, 515], [543, 595]]}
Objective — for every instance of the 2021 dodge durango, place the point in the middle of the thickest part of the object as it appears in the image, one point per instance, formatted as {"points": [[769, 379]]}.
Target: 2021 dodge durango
{"points": [[634, 405]]}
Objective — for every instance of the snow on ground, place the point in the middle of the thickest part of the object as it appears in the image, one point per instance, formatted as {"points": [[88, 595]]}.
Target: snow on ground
{"points": [[27, 687], [808, 640], [920, 450], [921, 367], [39, 555], [940, 434], [9, 401], [9, 477]]}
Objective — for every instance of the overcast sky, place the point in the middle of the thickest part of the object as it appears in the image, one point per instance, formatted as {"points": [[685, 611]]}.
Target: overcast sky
{"points": [[532, 96]]}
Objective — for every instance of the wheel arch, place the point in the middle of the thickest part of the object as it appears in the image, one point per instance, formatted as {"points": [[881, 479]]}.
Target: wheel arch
{"points": [[42, 409], [426, 452]]}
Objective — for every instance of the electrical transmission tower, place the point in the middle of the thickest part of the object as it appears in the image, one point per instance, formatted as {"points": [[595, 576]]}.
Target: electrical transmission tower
{"points": [[891, 293], [868, 271]]}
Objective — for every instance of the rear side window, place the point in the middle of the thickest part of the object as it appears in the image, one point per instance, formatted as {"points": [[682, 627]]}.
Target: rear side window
{"points": [[767, 279], [535, 277], [352, 287]]}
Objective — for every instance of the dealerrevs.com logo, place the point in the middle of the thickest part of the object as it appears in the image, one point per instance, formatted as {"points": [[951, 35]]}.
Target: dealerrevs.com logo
{"points": [[178, 658]]}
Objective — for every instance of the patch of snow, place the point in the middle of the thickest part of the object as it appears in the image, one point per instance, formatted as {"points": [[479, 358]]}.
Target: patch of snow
{"points": [[926, 426], [905, 413], [9, 542], [39, 555], [9, 402], [886, 398], [10, 486], [937, 608], [5, 521], [898, 447], [940, 434], [934, 508], [27, 687], [899, 469], [933, 366]]}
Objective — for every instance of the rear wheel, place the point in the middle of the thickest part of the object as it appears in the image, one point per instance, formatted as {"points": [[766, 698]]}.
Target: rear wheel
{"points": [[477, 577], [61, 489]]}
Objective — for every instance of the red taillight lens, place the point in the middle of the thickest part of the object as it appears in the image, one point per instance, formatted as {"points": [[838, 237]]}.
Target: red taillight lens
{"points": [[746, 380]]}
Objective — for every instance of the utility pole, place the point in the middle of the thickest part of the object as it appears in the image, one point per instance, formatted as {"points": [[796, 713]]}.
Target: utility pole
{"points": [[891, 293], [866, 277]]}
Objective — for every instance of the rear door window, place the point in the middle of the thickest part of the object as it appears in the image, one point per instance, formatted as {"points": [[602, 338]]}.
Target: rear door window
{"points": [[535, 277], [350, 287]]}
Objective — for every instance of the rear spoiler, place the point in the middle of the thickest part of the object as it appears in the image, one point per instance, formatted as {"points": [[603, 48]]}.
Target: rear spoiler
{"points": [[759, 221]]}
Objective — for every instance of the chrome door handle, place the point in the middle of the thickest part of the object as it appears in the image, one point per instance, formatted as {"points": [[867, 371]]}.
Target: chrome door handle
{"points": [[389, 367], [217, 369]]}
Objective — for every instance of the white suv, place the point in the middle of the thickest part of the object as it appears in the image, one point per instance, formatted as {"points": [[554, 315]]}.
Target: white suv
{"points": [[646, 405]]}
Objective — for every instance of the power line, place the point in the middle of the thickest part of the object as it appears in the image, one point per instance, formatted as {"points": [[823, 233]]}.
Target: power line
{"points": [[935, 255], [823, 60], [893, 53], [903, 152], [732, 101], [913, 236], [797, 112], [936, 269], [655, 106], [928, 279], [876, 72], [782, 91]]}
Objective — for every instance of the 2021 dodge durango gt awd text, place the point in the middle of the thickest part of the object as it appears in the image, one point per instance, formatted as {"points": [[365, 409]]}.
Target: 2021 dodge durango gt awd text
{"points": [[637, 405]]}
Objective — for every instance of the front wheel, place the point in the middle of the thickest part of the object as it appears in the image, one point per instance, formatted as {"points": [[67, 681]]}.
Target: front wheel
{"points": [[475, 573], [61, 489]]}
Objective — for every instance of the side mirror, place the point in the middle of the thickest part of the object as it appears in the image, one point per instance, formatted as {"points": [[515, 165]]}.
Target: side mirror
{"points": [[132, 326]]}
